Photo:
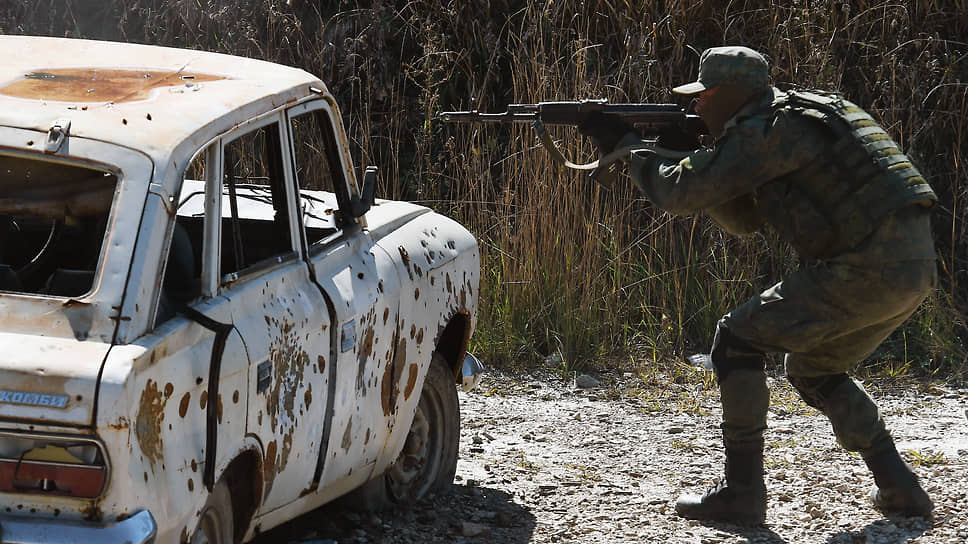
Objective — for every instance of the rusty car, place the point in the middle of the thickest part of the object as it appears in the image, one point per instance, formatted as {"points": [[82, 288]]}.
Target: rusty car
{"points": [[209, 324]]}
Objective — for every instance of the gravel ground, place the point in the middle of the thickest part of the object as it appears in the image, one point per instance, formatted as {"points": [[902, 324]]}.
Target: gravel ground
{"points": [[544, 461]]}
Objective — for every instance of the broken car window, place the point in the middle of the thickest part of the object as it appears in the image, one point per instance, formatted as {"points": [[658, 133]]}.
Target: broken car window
{"points": [[53, 217], [318, 172]]}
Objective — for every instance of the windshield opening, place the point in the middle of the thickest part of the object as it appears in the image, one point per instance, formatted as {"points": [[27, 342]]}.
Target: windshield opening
{"points": [[53, 217]]}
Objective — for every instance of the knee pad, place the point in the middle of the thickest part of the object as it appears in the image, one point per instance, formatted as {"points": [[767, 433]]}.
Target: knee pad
{"points": [[816, 390], [730, 352]]}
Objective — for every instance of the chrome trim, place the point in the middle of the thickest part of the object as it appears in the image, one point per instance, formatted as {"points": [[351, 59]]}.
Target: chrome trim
{"points": [[138, 529], [87, 439]]}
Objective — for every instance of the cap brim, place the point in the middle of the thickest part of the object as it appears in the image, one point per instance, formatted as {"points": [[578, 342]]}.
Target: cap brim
{"points": [[690, 88]]}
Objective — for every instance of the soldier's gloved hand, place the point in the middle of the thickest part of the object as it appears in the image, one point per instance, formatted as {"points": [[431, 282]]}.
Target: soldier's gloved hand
{"points": [[605, 131]]}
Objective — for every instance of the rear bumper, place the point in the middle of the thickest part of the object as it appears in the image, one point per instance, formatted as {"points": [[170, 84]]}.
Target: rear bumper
{"points": [[138, 529]]}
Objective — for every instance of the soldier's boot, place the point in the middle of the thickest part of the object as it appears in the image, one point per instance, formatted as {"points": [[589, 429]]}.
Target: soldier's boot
{"points": [[897, 490], [859, 427], [740, 497]]}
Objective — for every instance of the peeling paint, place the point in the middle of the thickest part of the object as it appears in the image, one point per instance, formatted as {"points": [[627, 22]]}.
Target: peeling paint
{"points": [[99, 84], [366, 349], [151, 414]]}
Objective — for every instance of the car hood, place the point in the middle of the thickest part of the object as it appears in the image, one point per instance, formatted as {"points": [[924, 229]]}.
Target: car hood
{"points": [[48, 379]]}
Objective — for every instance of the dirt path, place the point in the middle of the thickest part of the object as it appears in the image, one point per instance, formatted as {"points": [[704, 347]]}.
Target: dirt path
{"points": [[543, 461]]}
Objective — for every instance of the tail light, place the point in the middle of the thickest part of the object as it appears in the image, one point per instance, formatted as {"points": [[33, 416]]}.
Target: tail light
{"points": [[52, 465]]}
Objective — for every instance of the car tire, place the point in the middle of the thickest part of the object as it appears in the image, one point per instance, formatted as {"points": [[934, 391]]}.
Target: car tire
{"points": [[215, 524], [428, 460]]}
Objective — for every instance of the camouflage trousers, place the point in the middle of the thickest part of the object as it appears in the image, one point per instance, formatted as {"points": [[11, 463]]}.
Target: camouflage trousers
{"points": [[825, 317]]}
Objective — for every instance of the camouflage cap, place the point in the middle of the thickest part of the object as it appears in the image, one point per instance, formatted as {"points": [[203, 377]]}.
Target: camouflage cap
{"points": [[732, 64]]}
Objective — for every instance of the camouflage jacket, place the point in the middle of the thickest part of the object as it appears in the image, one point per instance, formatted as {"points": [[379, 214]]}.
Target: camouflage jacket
{"points": [[817, 169]]}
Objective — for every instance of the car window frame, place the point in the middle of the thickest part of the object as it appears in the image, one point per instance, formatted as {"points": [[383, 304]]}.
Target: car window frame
{"points": [[344, 188]]}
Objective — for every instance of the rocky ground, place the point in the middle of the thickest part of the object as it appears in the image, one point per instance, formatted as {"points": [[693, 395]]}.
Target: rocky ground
{"points": [[543, 460]]}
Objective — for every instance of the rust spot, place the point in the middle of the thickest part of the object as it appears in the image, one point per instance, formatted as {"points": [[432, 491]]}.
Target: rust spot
{"points": [[183, 405], [191, 485], [98, 85], [120, 425], [416, 294], [235, 397], [269, 468], [399, 361], [450, 286], [411, 381], [312, 488], [406, 260], [308, 396], [92, 512], [284, 454], [386, 390], [169, 389], [194, 466], [413, 331], [321, 364], [420, 336], [386, 315], [367, 439], [219, 409], [347, 437], [151, 414], [203, 400]]}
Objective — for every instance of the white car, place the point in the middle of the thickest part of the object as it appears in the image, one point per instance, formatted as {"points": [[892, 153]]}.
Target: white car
{"points": [[207, 325]]}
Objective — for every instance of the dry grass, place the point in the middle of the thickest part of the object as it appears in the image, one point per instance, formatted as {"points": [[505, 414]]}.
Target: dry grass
{"points": [[571, 267]]}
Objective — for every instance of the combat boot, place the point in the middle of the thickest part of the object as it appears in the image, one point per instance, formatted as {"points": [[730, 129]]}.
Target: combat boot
{"points": [[740, 497], [897, 491]]}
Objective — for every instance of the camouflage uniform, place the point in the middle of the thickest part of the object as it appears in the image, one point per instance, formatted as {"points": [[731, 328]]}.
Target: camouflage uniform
{"points": [[830, 181]]}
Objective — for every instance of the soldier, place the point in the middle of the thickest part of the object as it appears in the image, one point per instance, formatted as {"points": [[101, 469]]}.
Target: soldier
{"points": [[832, 183]]}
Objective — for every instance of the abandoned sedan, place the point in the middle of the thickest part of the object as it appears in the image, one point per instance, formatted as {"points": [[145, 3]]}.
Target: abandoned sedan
{"points": [[209, 326]]}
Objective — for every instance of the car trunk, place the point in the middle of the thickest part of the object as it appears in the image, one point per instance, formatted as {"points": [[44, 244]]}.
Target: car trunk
{"points": [[49, 380]]}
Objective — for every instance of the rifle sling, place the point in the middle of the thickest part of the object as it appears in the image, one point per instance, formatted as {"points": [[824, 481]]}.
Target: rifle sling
{"points": [[616, 155]]}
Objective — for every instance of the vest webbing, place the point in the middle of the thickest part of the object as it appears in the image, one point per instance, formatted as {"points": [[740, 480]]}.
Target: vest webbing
{"points": [[870, 177]]}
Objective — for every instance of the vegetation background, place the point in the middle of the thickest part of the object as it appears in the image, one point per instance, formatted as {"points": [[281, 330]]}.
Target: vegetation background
{"points": [[574, 273]]}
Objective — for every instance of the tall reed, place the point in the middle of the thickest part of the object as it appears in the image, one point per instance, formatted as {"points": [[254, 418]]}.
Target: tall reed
{"points": [[573, 270]]}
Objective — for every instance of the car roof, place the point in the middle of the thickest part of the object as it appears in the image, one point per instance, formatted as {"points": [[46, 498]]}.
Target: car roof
{"points": [[146, 97]]}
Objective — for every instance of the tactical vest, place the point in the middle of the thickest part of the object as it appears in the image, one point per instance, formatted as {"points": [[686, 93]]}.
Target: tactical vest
{"points": [[832, 204]]}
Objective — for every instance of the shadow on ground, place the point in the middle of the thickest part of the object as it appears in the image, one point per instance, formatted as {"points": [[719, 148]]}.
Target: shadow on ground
{"points": [[468, 514]]}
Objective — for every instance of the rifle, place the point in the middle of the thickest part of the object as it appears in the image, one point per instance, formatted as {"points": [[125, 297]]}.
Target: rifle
{"points": [[651, 120]]}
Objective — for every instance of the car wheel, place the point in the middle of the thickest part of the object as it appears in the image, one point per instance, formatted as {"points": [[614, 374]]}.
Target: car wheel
{"points": [[215, 523], [428, 460]]}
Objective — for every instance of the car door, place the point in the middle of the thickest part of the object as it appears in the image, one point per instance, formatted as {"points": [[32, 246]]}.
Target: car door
{"points": [[359, 279], [274, 304]]}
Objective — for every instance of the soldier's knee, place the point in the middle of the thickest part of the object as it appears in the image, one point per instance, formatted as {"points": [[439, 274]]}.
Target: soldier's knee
{"points": [[731, 352], [816, 390]]}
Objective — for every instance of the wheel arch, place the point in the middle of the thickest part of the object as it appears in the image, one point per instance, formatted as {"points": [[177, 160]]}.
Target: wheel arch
{"points": [[244, 478], [453, 340]]}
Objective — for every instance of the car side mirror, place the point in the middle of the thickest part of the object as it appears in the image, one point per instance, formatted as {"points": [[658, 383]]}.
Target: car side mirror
{"points": [[360, 204]]}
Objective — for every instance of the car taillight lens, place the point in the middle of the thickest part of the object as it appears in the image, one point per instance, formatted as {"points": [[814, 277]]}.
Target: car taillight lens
{"points": [[82, 481], [51, 465]]}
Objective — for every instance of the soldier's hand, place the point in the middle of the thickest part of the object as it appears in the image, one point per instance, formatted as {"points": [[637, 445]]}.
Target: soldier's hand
{"points": [[605, 131]]}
